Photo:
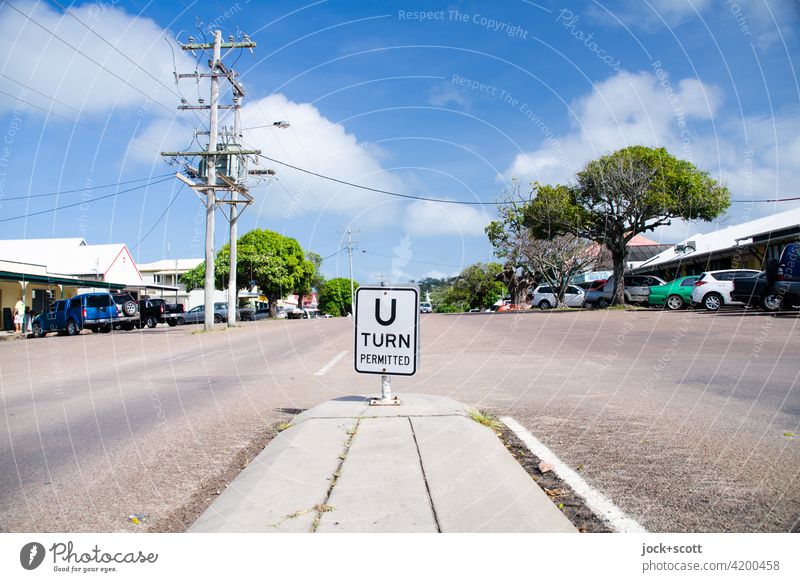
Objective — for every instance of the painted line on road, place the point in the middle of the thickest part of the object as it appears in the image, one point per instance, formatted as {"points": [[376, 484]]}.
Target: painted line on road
{"points": [[596, 501], [331, 364]]}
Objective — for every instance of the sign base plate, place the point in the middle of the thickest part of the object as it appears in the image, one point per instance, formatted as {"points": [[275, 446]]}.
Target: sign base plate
{"points": [[393, 401]]}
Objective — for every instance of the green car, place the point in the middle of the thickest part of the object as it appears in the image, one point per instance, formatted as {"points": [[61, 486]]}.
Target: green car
{"points": [[675, 295]]}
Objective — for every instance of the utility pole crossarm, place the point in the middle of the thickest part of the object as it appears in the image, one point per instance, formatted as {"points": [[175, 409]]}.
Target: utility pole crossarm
{"points": [[193, 46]]}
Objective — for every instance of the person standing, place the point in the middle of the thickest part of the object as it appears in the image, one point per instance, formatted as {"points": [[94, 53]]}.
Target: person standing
{"points": [[19, 315]]}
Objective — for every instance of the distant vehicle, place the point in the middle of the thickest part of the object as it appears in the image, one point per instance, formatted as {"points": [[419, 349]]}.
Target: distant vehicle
{"points": [[127, 306], [260, 314], [787, 279], [425, 307], [93, 311], [674, 295], [151, 312], [198, 314], [246, 314], [636, 289], [544, 298], [713, 289], [752, 291]]}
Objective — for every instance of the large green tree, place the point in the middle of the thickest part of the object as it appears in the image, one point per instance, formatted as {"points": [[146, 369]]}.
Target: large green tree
{"points": [[334, 296], [276, 264], [620, 195]]}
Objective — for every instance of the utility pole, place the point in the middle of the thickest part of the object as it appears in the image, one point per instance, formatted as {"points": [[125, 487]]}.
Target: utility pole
{"points": [[349, 232], [211, 195], [224, 165]]}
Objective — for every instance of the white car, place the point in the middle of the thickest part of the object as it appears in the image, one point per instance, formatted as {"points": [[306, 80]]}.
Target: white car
{"points": [[543, 297], [713, 289]]}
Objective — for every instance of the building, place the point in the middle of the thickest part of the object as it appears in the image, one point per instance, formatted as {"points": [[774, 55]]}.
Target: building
{"points": [[168, 272], [44, 270], [741, 246]]}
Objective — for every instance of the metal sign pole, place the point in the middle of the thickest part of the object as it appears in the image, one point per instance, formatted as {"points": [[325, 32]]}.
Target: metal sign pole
{"points": [[386, 380]]}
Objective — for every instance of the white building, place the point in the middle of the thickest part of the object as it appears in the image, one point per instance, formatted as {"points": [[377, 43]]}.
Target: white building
{"points": [[168, 272]]}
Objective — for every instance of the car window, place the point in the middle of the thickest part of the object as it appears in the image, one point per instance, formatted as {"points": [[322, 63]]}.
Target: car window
{"points": [[573, 290], [728, 276], [61, 306], [98, 300], [75, 303], [688, 282], [199, 308]]}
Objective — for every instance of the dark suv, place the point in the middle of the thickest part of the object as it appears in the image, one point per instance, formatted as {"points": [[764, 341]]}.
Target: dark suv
{"points": [[787, 275]]}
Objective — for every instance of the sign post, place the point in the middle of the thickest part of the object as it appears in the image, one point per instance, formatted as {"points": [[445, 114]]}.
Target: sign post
{"points": [[387, 335]]}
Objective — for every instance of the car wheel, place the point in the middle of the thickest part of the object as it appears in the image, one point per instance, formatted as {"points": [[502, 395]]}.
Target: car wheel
{"points": [[72, 327], [128, 327], [180, 321], [37, 330], [172, 322], [151, 322], [105, 328], [217, 318], [544, 304], [675, 302], [602, 303], [772, 302], [129, 308], [712, 301]]}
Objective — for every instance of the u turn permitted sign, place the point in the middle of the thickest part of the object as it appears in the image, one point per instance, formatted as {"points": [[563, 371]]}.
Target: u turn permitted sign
{"points": [[387, 330]]}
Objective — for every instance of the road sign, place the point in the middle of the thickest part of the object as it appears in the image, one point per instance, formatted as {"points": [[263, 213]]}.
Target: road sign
{"points": [[387, 330]]}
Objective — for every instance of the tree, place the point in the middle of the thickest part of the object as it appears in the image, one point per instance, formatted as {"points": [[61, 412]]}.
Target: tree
{"points": [[334, 297], [276, 264], [620, 195], [558, 259], [476, 287], [508, 236], [318, 279]]}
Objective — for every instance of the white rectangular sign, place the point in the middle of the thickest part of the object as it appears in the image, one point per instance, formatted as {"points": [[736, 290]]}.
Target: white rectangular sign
{"points": [[387, 330]]}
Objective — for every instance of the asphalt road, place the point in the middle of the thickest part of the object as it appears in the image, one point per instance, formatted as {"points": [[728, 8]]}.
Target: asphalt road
{"points": [[680, 418]]}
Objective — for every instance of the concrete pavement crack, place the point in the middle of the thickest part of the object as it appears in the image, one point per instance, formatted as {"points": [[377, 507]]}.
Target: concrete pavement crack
{"points": [[324, 507], [425, 478]]}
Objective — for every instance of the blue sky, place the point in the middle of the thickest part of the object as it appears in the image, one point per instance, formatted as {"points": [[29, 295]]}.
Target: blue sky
{"points": [[450, 100]]}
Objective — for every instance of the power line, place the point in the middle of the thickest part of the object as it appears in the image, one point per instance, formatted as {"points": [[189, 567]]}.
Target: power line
{"points": [[115, 49], [769, 200], [379, 191], [5, 198], [29, 214], [413, 261], [109, 71], [340, 251], [160, 218]]}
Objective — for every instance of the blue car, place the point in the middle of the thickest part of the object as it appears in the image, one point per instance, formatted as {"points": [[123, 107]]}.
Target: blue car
{"points": [[94, 311]]}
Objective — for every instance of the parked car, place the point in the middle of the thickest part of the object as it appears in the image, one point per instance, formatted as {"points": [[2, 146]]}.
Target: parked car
{"points": [[425, 307], [544, 298], [198, 314], [713, 289], [260, 314], [636, 289], [674, 295], [246, 314], [94, 311], [754, 292], [787, 278], [127, 306]]}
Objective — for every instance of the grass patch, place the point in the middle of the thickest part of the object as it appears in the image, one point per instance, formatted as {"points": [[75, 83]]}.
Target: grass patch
{"points": [[486, 419], [282, 426]]}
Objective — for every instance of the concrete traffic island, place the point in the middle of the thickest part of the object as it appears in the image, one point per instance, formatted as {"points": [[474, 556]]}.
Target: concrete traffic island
{"points": [[345, 466]]}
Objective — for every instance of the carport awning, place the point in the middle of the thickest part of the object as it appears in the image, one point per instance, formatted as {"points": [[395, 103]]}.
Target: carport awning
{"points": [[52, 280]]}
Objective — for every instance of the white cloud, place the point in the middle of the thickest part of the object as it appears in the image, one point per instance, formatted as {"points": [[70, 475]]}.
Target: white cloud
{"points": [[757, 157], [36, 58], [621, 111], [432, 219]]}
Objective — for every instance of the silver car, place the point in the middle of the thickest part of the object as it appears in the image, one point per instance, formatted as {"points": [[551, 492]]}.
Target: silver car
{"points": [[636, 290], [198, 314]]}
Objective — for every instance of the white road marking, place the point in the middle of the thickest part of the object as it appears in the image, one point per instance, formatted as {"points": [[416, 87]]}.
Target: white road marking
{"points": [[331, 364], [596, 501]]}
